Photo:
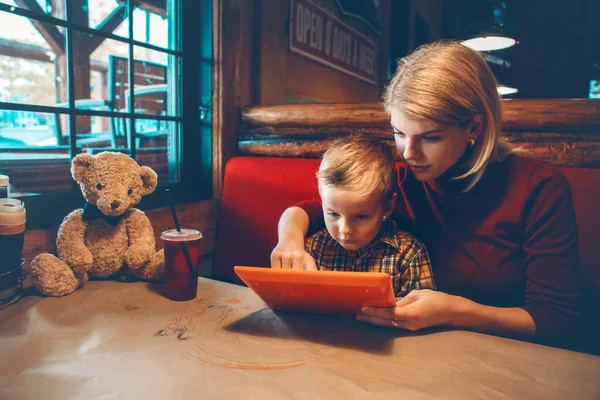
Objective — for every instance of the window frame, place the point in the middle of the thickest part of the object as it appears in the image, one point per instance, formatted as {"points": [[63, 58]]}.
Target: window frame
{"points": [[194, 148]]}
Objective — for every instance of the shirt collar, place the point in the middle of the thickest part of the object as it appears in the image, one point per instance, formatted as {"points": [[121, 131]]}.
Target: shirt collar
{"points": [[388, 233]]}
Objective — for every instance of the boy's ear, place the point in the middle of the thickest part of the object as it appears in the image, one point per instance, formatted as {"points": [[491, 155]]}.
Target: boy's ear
{"points": [[390, 206]]}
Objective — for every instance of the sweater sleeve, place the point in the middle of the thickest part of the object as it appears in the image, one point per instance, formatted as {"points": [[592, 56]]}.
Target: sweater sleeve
{"points": [[553, 288], [314, 209]]}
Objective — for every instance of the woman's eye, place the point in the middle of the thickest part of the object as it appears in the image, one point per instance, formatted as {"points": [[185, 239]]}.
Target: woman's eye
{"points": [[399, 134], [432, 139], [99, 186], [130, 192], [332, 214], [362, 217]]}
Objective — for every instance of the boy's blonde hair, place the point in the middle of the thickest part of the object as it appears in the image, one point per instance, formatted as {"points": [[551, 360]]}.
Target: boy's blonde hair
{"points": [[447, 83], [359, 163]]}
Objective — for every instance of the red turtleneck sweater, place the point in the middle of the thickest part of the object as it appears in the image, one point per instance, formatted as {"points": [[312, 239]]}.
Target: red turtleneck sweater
{"points": [[511, 241]]}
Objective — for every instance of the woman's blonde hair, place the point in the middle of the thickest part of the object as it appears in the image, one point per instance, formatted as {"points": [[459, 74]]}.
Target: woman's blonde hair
{"points": [[359, 163], [447, 83]]}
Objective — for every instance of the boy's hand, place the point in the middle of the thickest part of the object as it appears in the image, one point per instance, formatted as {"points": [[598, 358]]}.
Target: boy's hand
{"points": [[291, 257]]}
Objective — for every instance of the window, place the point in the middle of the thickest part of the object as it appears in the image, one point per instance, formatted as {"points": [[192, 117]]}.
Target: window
{"points": [[103, 75]]}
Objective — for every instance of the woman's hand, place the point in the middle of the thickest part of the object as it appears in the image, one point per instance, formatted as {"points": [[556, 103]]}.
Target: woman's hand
{"points": [[290, 255], [417, 310]]}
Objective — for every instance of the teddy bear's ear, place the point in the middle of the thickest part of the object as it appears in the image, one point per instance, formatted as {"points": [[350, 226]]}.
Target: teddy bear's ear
{"points": [[80, 165], [149, 178]]}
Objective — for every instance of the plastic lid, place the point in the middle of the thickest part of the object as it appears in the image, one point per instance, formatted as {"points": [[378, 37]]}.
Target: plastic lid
{"points": [[182, 235], [12, 212], [4, 180]]}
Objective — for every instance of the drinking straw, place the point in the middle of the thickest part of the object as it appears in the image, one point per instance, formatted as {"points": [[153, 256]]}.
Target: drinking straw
{"points": [[178, 227]]}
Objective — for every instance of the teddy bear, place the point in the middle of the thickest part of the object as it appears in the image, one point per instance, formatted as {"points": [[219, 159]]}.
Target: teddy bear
{"points": [[107, 237]]}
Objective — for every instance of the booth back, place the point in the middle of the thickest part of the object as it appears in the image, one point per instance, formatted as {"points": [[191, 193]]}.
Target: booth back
{"points": [[282, 145], [258, 189]]}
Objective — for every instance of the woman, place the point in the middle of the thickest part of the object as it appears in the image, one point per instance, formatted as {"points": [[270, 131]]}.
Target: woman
{"points": [[500, 228]]}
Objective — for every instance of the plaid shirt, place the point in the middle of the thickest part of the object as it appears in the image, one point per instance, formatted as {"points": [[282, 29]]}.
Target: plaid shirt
{"points": [[393, 251]]}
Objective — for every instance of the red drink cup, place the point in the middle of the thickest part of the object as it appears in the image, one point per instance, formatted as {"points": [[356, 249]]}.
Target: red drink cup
{"points": [[182, 256]]}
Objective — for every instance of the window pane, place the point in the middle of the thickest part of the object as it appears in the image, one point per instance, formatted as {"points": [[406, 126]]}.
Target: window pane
{"points": [[109, 16], [42, 7], [25, 129], [154, 82], [157, 147], [29, 154], [101, 78], [96, 133], [152, 24], [28, 72]]}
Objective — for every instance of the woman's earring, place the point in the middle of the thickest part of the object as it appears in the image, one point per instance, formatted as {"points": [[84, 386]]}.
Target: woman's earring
{"points": [[472, 140], [384, 218]]}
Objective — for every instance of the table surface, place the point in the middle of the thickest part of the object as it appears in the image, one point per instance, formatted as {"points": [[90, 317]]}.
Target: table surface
{"points": [[116, 340]]}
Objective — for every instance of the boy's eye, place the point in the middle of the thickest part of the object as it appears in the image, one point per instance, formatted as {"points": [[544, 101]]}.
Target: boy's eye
{"points": [[332, 214], [396, 133], [362, 217], [432, 138]]}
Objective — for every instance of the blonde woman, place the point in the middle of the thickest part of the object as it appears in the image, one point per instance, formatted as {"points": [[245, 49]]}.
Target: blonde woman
{"points": [[500, 228]]}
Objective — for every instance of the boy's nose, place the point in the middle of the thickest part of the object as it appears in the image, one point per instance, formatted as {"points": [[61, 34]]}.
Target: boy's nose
{"points": [[345, 228]]}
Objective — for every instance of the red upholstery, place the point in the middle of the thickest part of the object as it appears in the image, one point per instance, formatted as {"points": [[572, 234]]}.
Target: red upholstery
{"points": [[585, 187], [257, 190]]}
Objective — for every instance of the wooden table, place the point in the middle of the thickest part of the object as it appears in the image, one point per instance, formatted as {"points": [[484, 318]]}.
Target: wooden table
{"points": [[114, 340]]}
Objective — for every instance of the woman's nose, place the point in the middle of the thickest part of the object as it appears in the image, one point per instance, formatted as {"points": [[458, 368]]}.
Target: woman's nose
{"points": [[410, 152]]}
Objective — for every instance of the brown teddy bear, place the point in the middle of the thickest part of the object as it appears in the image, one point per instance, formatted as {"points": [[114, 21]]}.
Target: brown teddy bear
{"points": [[107, 237]]}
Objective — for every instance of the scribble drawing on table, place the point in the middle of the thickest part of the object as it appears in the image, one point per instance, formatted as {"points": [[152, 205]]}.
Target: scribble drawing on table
{"points": [[222, 309], [212, 359], [178, 326]]}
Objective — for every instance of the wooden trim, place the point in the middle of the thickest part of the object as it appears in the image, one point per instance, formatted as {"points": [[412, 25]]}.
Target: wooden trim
{"points": [[217, 115], [565, 132]]}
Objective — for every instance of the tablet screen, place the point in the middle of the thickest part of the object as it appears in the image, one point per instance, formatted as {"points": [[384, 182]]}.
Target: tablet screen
{"points": [[322, 292]]}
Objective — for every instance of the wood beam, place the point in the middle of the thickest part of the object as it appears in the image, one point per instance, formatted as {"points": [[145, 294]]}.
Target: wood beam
{"points": [[154, 6], [49, 32], [556, 115], [37, 53], [24, 50], [564, 132], [109, 24]]}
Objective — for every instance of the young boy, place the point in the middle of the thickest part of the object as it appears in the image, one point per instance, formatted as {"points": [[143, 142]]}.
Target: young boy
{"points": [[356, 183]]}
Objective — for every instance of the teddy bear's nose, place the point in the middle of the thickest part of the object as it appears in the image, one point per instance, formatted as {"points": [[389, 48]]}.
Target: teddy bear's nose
{"points": [[114, 205]]}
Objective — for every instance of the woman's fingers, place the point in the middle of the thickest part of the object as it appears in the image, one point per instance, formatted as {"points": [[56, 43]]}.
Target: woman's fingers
{"points": [[386, 323], [382, 313], [408, 299]]}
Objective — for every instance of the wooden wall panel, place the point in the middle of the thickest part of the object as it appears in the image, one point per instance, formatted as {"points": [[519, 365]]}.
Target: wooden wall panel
{"points": [[234, 59], [564, 132], [286, 75]]}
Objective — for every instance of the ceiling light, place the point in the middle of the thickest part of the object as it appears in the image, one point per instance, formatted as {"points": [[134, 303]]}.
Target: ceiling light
{"points": [[506, 90], [489, 43]]}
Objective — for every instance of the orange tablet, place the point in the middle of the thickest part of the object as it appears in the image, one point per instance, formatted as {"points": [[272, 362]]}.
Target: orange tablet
{"points": [[321, 292]]}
